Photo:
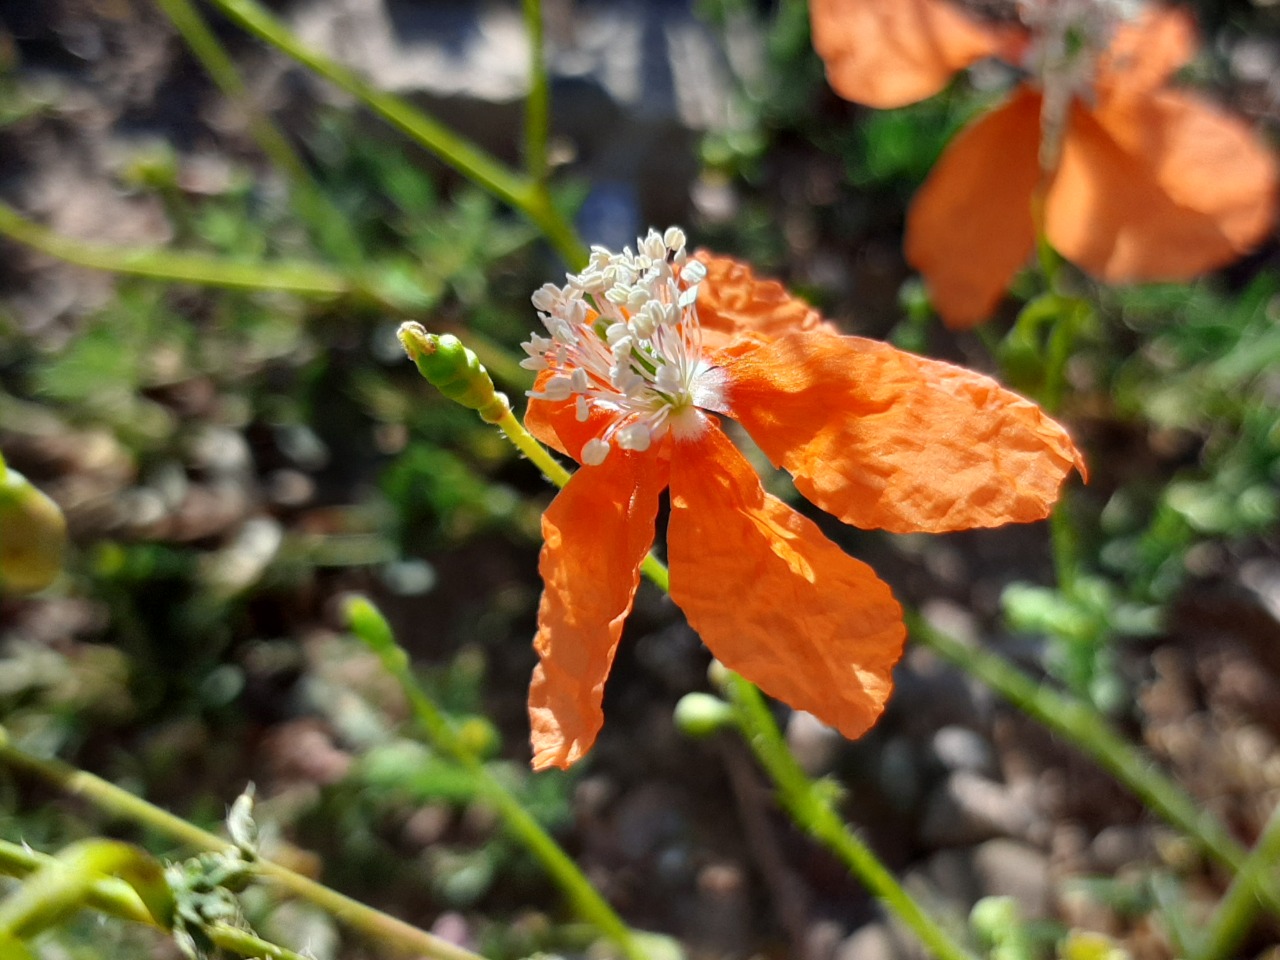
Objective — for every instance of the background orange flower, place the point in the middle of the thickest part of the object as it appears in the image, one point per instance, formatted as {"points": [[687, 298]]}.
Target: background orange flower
{"points": [[1139, 182]]}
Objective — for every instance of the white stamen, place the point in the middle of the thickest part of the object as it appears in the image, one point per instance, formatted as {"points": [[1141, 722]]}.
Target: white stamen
{"points": [[625, 339], [594, 451], [635, 436]]}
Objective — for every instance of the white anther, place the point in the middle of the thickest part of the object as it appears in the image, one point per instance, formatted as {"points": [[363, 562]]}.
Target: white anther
{"points": [[581, 409], [547, 297], [635, 436], [579, 380], [594, 451], [695, 271], [557, 388]]}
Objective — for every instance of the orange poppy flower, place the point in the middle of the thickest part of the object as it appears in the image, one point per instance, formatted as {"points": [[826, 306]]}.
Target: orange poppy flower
{"points": [[644, 352], [1138, 181]]}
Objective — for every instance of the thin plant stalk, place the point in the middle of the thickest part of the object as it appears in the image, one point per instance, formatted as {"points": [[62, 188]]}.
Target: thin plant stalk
{"points": [[591, 906], [811, 809], [113, 800], [464, 156], [1088, 731], [1239, 905], [118, 899], [310, 201], [301, 279], [809, 805], [537, 106]]}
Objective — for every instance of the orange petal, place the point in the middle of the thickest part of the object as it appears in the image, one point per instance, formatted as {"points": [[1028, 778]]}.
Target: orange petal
{"points": [[882, 438], [734, 305], [556, 424], [1160, 187], [970, 228], [888, 53], [1146, 51], [772, 597], [595, 533]]}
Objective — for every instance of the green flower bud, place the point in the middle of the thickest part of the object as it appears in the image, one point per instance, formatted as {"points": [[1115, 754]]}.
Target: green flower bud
{"points": [[454, 370], [33, 534], [700, 715]]}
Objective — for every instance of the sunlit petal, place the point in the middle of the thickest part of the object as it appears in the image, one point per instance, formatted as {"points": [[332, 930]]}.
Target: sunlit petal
{"points": [[734, 304], [596, 533], [970, 226], [1146, 51], [1161, 187], [772, 597], [883, 438], [887, 53]]}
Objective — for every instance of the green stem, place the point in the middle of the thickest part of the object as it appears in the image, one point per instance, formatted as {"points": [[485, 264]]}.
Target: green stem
{"points": [[811, 809], [311, 202], [464, 156], [119, 899], [537, 107], [591, 906], [528, 444], [305, 280], [113, 800], [1085, 728], [1239, 905]]}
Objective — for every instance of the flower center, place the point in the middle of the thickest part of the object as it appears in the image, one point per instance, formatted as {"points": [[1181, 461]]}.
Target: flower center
{"points": [[1068, 36], [625, 339]]}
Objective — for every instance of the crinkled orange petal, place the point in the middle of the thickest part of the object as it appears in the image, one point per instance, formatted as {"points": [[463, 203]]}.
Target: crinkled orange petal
{"points": [[1160, 187], [970, 227], [595, 534], [1145, 52], [888, 53], [556, 424], [885, 439], [735, 306], [772, 597]]}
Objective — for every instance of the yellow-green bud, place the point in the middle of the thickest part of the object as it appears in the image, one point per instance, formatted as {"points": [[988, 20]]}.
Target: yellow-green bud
{"points": [[454, 370], [33, 534], [700, 715]]}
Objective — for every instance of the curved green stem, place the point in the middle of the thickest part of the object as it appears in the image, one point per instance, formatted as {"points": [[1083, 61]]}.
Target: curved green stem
{"points": [[811, 809], [537, 106], [370, 626], [119, 899], [312, 203], [464, 156], [1085, 728], [113, 800], [1239, 906], [305, 280]]}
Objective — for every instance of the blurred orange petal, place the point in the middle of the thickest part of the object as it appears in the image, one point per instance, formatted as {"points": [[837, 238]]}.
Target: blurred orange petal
{"points": [[1161, 187], [885, 439], [772, 597], [734, 305], [1146, 51], [888, 53], [596, 532], [970, 227]]}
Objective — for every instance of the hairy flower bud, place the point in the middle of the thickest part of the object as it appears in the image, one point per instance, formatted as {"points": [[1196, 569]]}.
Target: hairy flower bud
{"points": [[454, 370]]}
